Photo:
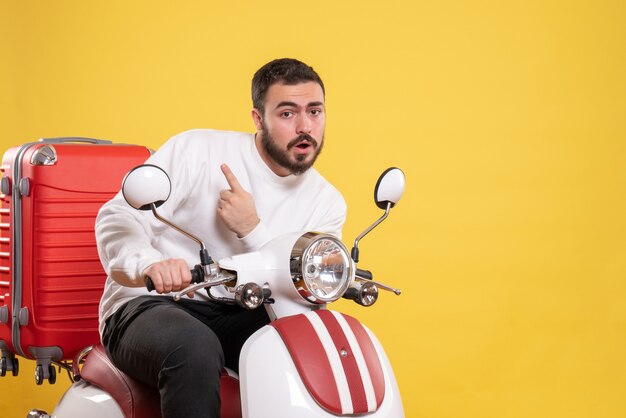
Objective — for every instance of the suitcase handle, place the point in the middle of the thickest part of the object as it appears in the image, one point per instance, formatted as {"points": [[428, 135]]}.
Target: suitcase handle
{"points": [[65, 139]]}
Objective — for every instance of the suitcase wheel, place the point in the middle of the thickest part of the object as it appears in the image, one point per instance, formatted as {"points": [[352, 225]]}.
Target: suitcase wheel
{"points": [[53, 375], [12, 364], [16, 366], [40, 374]]}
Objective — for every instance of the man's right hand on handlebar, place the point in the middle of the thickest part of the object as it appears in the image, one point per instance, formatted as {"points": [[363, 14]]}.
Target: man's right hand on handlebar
{"points": [[169, 275]]}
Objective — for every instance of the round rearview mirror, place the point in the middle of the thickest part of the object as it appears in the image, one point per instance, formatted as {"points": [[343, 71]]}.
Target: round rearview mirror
{"points": [[389, 188], [146, 185]]}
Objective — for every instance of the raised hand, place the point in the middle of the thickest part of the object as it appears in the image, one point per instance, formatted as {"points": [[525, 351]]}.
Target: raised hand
{"points": [[236, 206]]}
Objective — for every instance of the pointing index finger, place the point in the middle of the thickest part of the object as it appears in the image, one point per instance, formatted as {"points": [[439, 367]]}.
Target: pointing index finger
{"points": [[230, 178]]}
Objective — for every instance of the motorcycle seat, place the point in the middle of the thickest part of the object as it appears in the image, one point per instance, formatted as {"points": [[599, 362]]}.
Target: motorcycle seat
{"points": [[138, 400]]}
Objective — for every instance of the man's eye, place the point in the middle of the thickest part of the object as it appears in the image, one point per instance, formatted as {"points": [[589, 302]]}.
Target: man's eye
{"points": [[316, 112], [286, 114]]}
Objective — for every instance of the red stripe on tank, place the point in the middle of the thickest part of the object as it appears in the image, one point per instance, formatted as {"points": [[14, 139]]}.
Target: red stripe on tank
{"points": [[350, 366], [371, 358], [310, 359]]}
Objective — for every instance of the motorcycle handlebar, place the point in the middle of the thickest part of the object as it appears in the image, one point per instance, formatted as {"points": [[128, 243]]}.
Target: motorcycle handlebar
{"points": [[364, 274], [197, 276]]}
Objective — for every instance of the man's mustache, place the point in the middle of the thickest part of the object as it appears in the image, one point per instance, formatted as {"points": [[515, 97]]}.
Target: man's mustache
{"points": [[299, 139]]}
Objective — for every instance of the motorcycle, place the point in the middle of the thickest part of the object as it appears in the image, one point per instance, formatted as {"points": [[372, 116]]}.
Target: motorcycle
{"points": [[308, 362]]}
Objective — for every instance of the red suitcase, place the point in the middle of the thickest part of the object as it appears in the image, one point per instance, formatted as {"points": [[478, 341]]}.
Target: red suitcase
{"points": [[51, 278]]}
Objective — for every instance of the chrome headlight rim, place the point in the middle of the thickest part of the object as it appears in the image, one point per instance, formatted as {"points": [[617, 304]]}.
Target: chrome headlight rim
{"points": [[299, 255]]}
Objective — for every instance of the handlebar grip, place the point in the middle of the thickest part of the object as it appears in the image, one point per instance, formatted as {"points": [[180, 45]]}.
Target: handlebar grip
{"points": [[364, 274], [197, 275], [351, 293]]}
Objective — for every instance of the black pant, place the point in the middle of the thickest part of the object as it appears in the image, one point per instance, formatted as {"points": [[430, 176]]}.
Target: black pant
{"points": [[180, 348]]}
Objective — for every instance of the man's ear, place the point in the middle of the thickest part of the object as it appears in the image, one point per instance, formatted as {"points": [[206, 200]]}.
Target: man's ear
{"points": [[257, 118]]}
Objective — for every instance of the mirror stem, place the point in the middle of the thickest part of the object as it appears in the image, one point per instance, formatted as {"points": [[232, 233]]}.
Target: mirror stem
{"points": [[355, 249], [205, 258]]}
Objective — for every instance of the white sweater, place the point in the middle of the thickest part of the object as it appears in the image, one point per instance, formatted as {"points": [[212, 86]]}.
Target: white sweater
{"points": [[130, 240]]}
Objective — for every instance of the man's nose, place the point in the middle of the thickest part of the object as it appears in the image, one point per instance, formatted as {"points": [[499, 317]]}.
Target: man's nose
{"points": [[304, 125]]}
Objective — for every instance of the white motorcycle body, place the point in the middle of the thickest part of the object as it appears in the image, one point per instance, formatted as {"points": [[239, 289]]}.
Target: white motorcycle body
{"points": [[85, 399], [271, 385]]}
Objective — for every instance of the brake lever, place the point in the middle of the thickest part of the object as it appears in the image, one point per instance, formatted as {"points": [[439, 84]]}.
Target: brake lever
{"points": [[221, 278], [379, 285]]}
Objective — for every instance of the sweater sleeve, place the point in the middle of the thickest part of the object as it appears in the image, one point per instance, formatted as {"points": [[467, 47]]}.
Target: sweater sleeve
{"points": [[124, 235], [124, 243], [259, 236]]}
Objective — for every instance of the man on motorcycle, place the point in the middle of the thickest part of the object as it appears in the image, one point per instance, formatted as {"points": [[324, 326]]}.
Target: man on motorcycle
{"points": [[235, 191]]}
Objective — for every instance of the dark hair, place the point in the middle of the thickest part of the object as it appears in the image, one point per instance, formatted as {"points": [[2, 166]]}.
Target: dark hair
{"points": [[283, 70]]}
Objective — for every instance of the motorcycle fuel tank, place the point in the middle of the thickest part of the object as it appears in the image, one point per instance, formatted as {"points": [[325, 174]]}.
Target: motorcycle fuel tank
{"points": [[272, 383]]}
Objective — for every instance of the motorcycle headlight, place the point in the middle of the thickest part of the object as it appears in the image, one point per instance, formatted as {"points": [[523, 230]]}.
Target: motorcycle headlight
{"points": [[321, 267]]}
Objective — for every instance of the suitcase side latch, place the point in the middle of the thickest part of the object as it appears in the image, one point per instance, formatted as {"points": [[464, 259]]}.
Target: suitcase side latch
{"points": [[22, 317]]}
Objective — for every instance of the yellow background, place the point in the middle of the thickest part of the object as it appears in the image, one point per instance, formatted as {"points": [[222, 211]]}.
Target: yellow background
{"points": [[508, 118]]}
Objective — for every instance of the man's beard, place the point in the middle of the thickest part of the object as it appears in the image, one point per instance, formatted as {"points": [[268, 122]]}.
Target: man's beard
{"points": [[281, 157]]}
